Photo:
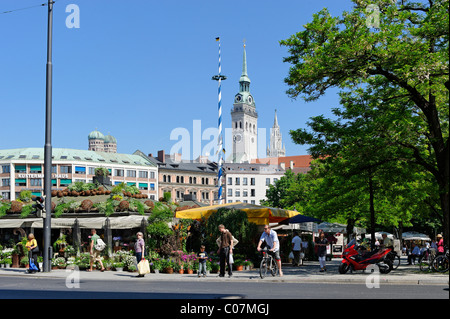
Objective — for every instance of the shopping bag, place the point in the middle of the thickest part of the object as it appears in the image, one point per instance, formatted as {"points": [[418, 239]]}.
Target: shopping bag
{"points": [[231, 259], [32, 266], [143, 267]]}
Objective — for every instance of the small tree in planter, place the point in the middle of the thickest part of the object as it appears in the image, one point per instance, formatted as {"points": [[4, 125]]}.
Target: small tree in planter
{"points": [[101, 176]]}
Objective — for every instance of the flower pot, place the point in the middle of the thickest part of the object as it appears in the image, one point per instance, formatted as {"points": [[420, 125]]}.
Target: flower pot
{"points": [[239, 268], [168, 270], [190, 271], [181, 271], [119, 268]]}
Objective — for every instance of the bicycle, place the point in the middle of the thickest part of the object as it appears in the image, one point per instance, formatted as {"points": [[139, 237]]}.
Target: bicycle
{"points": [[267, 264], [395, 259], [426, 260], [440, 262]]}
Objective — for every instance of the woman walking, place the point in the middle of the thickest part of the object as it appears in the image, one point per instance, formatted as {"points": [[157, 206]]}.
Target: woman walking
{"points": [[322, 243], [139, 249]]}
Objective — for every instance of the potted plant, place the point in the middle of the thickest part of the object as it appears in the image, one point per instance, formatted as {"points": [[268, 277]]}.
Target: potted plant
{"points": [[60, 262], [239, 264], [7, 262], [179, 268], [118, 266], [101, 176], [167, 266], [60, 244], [248, 264], [24, 262], [215, 267], [155, 265]]}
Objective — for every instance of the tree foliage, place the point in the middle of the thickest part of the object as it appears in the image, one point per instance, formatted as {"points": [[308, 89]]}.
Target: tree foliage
{"points": [[394, 81]]}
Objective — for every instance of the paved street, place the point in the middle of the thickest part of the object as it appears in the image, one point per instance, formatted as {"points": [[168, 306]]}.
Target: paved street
{"points": [[304, 282]]}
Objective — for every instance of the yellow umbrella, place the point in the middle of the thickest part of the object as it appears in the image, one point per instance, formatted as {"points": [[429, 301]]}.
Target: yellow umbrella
{"points": [[260, 215]]}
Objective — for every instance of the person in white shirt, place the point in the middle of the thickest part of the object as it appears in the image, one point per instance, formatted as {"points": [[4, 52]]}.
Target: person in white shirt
{"points": [[271, 239], [296, 249]]}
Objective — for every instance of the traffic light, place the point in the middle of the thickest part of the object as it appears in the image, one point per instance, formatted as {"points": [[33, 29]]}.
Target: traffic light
{"points": [[39, 206]]}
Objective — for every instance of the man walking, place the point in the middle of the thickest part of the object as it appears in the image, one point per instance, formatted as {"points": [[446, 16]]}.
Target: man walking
{"points": [[95, 254], [224, 251], [296, 249]]}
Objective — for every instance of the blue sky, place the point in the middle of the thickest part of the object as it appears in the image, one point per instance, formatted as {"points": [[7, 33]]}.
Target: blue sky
{"points": [[140, 69]]}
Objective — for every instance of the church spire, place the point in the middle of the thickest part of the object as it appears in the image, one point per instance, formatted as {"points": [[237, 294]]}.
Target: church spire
{"points": [[244, 81]]}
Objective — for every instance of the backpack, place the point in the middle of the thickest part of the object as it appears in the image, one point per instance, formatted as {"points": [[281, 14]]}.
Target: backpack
{"points": [[100, 245]]}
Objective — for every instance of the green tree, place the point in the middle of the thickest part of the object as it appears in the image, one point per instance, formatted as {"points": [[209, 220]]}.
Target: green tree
{"points": [[401, 62]]}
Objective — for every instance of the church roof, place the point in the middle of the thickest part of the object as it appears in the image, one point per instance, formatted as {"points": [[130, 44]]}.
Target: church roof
{"points": [[96, 135]]}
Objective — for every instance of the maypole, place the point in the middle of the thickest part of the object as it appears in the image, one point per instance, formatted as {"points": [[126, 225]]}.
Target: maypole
{"points": [[220, 149]]}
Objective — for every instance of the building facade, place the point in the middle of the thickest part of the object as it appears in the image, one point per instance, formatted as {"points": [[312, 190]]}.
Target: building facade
{"points": [[247, 183], [185, 179], [23, 169], [296, 163]]}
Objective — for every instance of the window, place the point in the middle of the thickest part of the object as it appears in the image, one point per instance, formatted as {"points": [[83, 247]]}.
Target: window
{"points": [[20, 168], [152, 175], [252, 181], [65, 169], [267, 181], [80, 170], [237, 193], [6, 169], [245, 193], [35, 182], [131, 173], [54, 169], [152, 186], [143, 174], [238, 181], [230, 181], [252, 193], [21, 182], [244, 181], [118, 172], [6, 182], [143, 186], [230, 192], [91, 170]]}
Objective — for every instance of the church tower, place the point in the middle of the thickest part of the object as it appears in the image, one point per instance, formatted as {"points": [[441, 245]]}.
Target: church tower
{"points": [[244, 120], [276, 147]]}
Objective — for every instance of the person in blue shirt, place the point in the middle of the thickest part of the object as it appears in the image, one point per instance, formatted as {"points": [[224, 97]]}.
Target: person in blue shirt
{"points": [[270, 237], [414, 253]]}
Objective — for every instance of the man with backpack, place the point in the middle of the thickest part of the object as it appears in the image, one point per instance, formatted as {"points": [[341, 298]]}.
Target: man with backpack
{"points": [[94, 250]]}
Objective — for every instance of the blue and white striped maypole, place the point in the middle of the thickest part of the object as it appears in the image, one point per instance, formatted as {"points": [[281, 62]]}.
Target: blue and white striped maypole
{"points": [[220, 149]]}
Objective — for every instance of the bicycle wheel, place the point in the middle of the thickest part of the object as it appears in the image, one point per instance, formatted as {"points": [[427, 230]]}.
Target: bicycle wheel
{"points": [[396, 262], [274, 268], [424, 263], [440, 263], [263, 268]]}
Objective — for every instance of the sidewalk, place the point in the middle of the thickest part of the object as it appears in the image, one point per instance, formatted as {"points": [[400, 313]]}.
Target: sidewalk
{"points": [[308, 273]]}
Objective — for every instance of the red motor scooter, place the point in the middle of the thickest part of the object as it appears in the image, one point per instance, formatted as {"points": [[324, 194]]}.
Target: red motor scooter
{"points": [[354, 260]]}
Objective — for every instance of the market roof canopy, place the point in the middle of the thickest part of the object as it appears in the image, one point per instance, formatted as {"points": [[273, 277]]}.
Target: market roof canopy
{"points": [[260, 215], [298, 219], [123, 222], [412, 235], [338, 228]]}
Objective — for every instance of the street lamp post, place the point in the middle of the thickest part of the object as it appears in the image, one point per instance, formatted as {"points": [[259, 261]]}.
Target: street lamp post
{"points": [[48, 143]]}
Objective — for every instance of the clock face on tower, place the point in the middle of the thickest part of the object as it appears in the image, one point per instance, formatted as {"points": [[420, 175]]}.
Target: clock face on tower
{"points": [[238, 98], [250, 99], [237, 138]]}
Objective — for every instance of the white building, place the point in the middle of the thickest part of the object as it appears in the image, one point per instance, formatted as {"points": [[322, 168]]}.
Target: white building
{"points": [[247, 183], [23, 169]]}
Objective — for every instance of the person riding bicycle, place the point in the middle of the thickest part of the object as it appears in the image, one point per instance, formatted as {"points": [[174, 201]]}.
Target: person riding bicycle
{"points": [[270, 237], [387, 242]]}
